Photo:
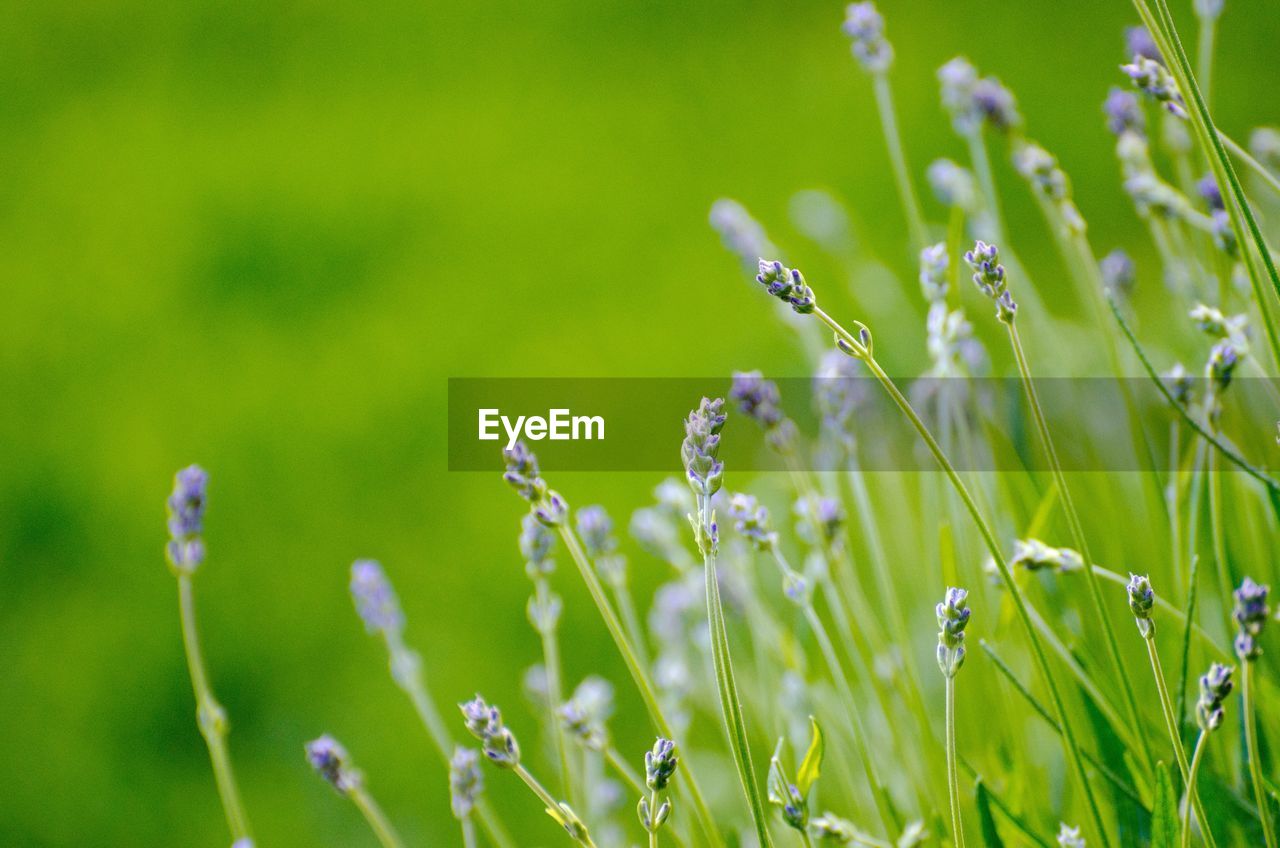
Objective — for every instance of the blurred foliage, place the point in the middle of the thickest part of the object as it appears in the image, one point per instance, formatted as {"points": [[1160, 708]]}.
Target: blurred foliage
{"points": [[261, 237]]}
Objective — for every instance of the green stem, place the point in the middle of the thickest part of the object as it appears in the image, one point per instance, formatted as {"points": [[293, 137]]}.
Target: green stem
{"points": [[653, 807], [1255, 762], [468, 833], [898, 157], [1078, 537], [804, 839], [1204, 55], [1191, 788], [1227, 451], [1247, 158], [555, 692], [640, 676], [878, 791], [730, 703], [547, 798], [1166, 36], [374, 816], [1216, 535], [993, 547], [210, 716], [1179, 752], [953, 778]]}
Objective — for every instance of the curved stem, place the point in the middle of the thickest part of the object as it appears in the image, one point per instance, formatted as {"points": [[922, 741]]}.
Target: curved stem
{"points": [[730, 703], [898, 157], [377, 820], [209, 713], [1255, 764], [993, 547], [1171, 724], [640, 676], [953, 778], [1191, 788]]}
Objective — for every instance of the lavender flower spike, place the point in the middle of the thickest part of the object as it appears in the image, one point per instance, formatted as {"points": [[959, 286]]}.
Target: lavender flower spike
{"points": [[660, 764], [485, 723], [1118, 271], [1142, 599], [186, 507], [330, 760], [524, 476], [703, 471], [596, 529], [953, 617], [865, 27], [1215, 686], [988, 276], [536, 543], [1124, 113], [752, 521], [934, 263], [375, 600], [757, 398], [1155, 81], [1251, 613], [787, 285], [1138, 42], [465, 781]]}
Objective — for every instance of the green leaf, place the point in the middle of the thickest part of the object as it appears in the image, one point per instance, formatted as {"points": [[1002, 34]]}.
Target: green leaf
{"points": [[1164, 816], [990, 836], [811, 766]]}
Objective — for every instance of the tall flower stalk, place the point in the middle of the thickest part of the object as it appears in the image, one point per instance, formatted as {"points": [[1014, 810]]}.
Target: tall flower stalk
{"points": [[1251, 613], [865, 27], [379, 609], [953, 617], [186, 552], [331, 761], [705, 474], [659, 766], [989, 276], [523, 474], [789, 286], [1215, 686], [465, 783], [1142, 600]]}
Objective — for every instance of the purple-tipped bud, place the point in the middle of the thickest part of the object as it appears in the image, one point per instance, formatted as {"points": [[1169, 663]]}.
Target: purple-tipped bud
{"points": [[953, 185], [375, 600], [953, 618], [1138, 42], [1040, 168], [996, 104], [757, 398], [1224, 235], [865, 28], [1215, 686], [536, 544], [331, 762], [1124, 112], [660, 764], [485, 724], [186, 507], [752, 520], [1118, 272], [787, 285], [596, 529], [1179, 383], [703, 471], [1207, 188], [934, 263], [465, 781], [1155, 81], [1222, 364], [1142, 598], [522, 472], [1251, 613], [988, 276]]}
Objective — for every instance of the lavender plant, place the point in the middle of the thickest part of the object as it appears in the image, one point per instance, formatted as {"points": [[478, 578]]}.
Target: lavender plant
{"points": [[331, 761]]}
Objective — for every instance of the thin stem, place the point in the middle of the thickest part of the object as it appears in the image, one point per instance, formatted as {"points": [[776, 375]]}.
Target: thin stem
{"points": [[1191, 788], [653, 807], [1162, 604], [548, 800], [982, 167], [898, 157], [555, 692], [210, 716], [730, 703], [640, 676], [1247, 158], [1179, 752], [1078, 537], [878, 791], [468, 833], [1160, 24], [993, 547], [1204, 54], [377, 820], [1223, 448], [630, 620], [805, 840], [953, 778], [1255, 763]]}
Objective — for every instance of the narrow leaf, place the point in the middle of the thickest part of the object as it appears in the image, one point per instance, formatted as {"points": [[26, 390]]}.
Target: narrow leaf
{"points": [[1164, 818], [811, 766], [990, 836]]}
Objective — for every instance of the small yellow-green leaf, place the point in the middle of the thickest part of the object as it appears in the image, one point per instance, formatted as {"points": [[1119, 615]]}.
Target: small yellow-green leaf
{"points": [[811, 767]]}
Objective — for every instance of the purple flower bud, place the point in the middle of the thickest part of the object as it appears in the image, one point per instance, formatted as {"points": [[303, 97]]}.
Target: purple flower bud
{"points": [[186, 507], [757, 398], [1138, 42], [331, 762], [1124, 112], [1215, 686], [375, 600], [465, 781]]}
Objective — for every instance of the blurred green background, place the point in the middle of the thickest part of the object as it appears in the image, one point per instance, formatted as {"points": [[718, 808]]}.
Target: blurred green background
{"points": [[261, 237]]}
